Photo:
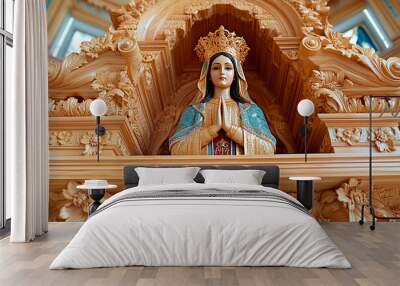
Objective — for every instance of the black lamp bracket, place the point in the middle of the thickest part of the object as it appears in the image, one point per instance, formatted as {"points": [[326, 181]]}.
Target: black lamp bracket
{"points": [[302, 131], [100, 130]]}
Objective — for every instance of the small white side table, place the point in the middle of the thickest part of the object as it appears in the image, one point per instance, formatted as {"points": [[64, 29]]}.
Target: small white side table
{"points": [[96, 190], [305, 189]]}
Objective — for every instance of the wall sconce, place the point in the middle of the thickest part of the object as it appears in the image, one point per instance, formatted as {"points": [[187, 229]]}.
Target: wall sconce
{"points": [[98, 108], [305, 108]]}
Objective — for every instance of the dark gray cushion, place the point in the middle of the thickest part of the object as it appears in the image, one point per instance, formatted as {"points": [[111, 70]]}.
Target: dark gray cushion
{"points": [[270, 179]]}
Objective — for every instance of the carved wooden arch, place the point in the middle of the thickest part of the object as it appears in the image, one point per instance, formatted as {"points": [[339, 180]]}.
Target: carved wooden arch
{"points": [[278, 15]]}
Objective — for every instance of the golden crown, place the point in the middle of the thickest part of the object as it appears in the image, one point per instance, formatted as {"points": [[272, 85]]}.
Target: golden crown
{"points": [[222, 41]]}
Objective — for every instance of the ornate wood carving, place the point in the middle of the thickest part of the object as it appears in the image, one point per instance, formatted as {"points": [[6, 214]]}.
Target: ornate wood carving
{"points": [[354, 193], [334, 169], [384, 138], [351, 131], [146, 70], [68, 203]]}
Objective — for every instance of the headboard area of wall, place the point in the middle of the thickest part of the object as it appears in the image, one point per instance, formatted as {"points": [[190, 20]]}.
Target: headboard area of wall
{"points": [[270, 179]]}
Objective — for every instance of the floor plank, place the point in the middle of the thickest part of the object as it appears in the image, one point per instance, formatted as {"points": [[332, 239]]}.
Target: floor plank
{"points": [[375, 257]]}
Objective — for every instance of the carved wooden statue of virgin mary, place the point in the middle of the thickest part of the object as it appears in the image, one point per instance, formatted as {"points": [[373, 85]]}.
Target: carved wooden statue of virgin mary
{"points": [[226, 121]]}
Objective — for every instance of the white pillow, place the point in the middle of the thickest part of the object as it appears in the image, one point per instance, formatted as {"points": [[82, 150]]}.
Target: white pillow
{"points": [[248, 177], [163, 176]]}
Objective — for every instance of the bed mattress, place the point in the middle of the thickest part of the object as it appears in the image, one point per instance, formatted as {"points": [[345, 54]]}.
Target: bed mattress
{"points": [[201, 225]]}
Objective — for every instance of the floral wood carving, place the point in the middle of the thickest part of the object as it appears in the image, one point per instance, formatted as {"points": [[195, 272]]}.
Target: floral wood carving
{"points": [[59, 138], [327, 207], [122, 35], [89, 140], [75, 139], [325, 89], [384, 138], [314, 14], [120, 95], [71, 204], [354, 193], [77, 203], [115, 139], [348, 135]]}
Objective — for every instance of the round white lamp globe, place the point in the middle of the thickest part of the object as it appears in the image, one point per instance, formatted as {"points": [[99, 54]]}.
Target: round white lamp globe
{"points": [[98, 107], [305, 107]]}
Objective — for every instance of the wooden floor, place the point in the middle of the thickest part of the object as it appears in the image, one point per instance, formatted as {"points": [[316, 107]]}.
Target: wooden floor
{"points": [[375, 257]]}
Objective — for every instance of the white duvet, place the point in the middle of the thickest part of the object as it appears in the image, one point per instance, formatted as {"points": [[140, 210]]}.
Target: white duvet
{"points": [[200, 231]]}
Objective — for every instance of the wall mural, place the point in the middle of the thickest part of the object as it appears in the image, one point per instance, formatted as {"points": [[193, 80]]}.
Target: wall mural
{"points": [[165, 106]]}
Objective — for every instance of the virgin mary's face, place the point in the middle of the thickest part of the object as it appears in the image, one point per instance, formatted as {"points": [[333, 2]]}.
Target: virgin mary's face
{"points": [[222, 72]]}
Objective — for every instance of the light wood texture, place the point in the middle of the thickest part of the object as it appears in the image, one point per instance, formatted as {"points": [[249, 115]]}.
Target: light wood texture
{"points": [[375, 257], [334, 169]]}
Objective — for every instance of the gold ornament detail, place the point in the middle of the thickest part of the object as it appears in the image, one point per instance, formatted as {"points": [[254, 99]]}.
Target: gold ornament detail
{"points": [[222, 41]]}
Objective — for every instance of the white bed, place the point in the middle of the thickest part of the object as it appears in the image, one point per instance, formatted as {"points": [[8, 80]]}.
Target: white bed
{"points": [[185, 230]]}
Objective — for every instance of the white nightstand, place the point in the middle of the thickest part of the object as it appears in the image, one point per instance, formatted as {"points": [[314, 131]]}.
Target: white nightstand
{"points": [[96, 190], [305, 189]]}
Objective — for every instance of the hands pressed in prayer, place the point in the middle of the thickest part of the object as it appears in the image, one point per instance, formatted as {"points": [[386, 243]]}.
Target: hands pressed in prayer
{"points": [[226, 122], [219, 115], [218, 124], [233, 132]]}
